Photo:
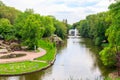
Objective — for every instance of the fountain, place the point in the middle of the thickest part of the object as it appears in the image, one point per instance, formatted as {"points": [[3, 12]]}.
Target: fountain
{"points": [[73, 33]]}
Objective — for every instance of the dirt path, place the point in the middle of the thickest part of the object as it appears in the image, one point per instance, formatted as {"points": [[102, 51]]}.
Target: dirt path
{"points": [[30, 56]]}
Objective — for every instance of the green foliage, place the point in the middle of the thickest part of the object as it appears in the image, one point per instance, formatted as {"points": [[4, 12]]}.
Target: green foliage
{"points": [[6, 29], [113, 32], [32, 32], [30, 29], [105, 45], [9, 12], [50, 48], [48, 25], [98, 41], [84, 29], [94, 27], [108, 56], [61, 29]]}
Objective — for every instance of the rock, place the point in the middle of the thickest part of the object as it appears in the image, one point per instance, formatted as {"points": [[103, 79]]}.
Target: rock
{"points": [[2, 47], [104, 41], [15, 46], [56, 39], [24, 47], [1, 41], [12, 55], [3, 51], [5, 42], [8, 48], [114, 75]]}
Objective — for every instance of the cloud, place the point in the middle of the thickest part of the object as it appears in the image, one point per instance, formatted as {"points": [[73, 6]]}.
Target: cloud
{"points": [[73, 10]]}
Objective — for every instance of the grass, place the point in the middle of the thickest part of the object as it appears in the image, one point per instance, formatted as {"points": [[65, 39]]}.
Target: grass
{"points": [[21, 67], [51, 51], [30, 66]]}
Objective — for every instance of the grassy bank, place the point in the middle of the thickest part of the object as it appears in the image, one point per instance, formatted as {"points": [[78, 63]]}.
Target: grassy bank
{"points": [[51, 51], [30, 66]]}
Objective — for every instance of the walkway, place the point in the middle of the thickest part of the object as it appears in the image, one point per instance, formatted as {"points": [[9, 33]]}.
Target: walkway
{"points": [[30, 56]]}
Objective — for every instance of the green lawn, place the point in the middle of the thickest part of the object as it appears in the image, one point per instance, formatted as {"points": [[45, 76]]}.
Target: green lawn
{"points": [[21, 67]]}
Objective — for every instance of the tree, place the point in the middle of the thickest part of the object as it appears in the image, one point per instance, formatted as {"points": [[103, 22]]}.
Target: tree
{"points": [[94, 27], [32, 32], [9, 13], [48, 25], [29, 29], [83, 29], [6, 29], [61, 29], [113, 34]]}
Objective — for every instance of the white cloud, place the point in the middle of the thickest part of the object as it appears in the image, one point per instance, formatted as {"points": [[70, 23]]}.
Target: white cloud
{"points": [[73, 10]]}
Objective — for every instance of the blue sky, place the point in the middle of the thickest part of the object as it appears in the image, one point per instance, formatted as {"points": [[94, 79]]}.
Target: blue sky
{"points": [[73, 10]]}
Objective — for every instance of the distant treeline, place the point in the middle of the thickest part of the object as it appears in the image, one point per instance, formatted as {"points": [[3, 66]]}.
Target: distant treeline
{"points": [[28, 27], [104, 29]]}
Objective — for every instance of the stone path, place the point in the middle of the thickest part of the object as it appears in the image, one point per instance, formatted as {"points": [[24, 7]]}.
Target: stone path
{"points": [[30, 56]]}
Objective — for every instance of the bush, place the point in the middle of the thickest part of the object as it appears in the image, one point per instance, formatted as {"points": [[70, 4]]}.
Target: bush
{"points": [[108, 56]]}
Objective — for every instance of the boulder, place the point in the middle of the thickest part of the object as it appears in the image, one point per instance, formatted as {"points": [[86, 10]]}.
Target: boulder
{"points": [[15, 46], [114, 75], [24, 47], [3, 51], [56, 39]]}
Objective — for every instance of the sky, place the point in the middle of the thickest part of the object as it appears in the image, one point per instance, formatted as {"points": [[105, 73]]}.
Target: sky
{"points": [[72, 10]]}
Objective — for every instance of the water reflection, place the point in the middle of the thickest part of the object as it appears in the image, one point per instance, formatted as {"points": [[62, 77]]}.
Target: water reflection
{"points": [[10, 78], [78, 59]]}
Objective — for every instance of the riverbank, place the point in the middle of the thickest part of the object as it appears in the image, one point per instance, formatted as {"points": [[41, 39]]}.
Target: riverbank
{"points": [[24, 67]]}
